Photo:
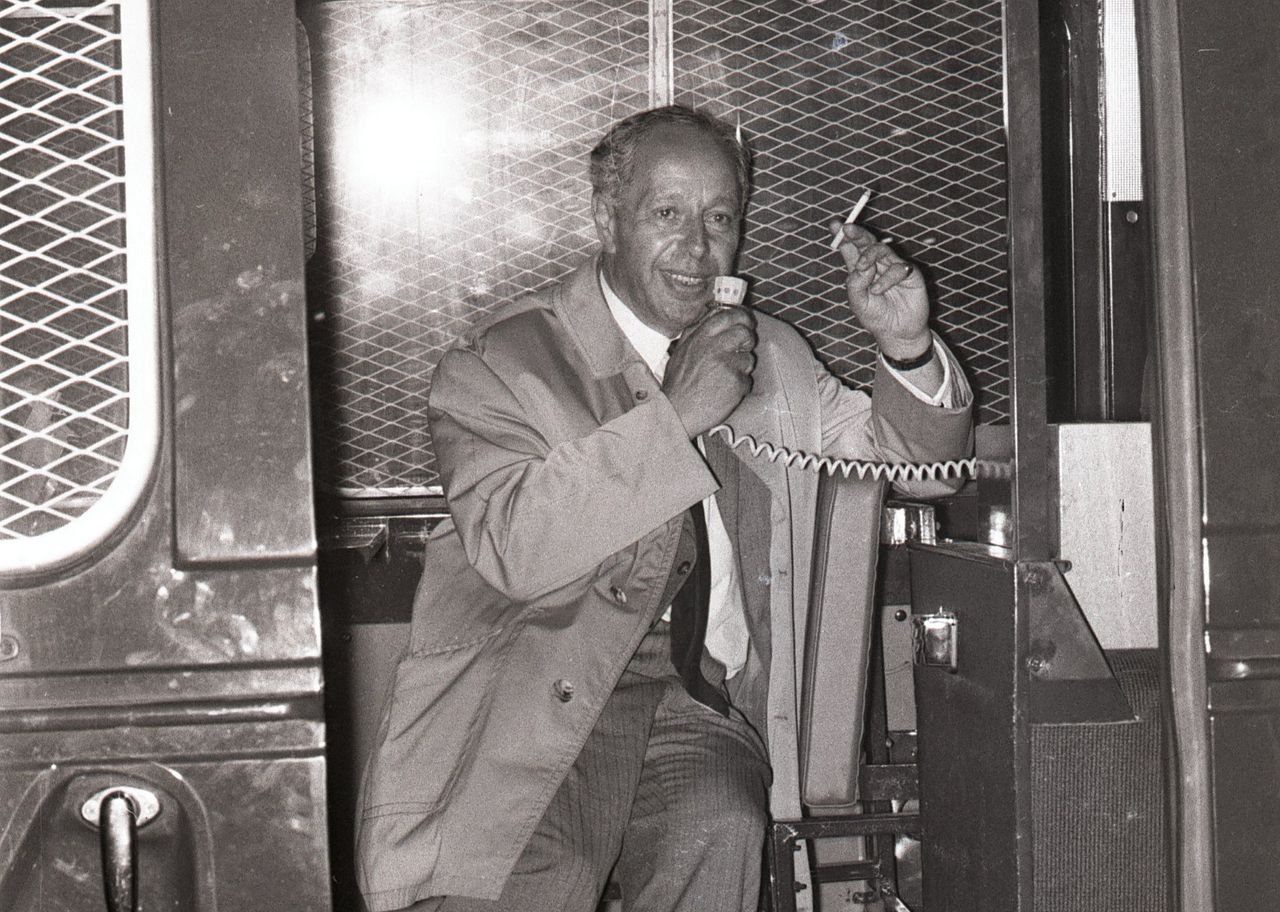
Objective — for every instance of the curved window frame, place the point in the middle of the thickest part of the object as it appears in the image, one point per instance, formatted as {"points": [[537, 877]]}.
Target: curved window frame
{"points": [[84, 534]]}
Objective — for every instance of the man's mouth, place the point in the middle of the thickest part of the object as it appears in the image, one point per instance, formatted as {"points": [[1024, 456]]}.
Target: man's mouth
{"points": [[687, 281]]}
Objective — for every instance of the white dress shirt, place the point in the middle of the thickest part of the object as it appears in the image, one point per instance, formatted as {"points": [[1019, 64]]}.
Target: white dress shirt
{"points": [[727, 638]]}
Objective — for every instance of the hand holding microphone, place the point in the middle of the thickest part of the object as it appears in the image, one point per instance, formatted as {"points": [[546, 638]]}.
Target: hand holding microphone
{"points": [[709, 371]]}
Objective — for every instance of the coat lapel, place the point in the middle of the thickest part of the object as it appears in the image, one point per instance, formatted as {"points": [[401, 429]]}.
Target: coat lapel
{"points": [[745, 505], [781, 409]]}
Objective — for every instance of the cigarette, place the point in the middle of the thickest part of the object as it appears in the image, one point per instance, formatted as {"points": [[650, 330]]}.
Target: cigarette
{"points": [[857, 210]]}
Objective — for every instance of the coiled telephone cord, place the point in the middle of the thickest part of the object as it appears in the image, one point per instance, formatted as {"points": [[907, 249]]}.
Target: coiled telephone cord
{"points": [[973, 467]]}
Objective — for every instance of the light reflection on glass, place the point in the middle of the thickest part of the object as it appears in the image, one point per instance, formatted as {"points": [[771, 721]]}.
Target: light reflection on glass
{"points": [[408, 151]]}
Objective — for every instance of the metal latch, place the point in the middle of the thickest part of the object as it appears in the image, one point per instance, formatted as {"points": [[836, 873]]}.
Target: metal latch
{"points": [[904, 522], [933, 639]]}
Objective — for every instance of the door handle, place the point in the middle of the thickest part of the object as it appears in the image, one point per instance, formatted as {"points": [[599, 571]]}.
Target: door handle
{"points": [[118, 812], [118, 834]]}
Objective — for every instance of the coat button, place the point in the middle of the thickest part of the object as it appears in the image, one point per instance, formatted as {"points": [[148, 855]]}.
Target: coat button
{"points": [[684, 568], [619, 595], [642, 395], [563, 689]]}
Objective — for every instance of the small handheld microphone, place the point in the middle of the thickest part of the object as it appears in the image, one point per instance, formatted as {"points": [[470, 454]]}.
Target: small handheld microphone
{"points": [[728, 291]]}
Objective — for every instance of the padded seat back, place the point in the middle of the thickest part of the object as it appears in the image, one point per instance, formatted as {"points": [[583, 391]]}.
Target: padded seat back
{"points": [[838, 639]]}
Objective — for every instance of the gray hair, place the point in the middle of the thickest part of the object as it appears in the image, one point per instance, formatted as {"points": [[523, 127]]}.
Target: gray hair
{"points": [[612, 160]]}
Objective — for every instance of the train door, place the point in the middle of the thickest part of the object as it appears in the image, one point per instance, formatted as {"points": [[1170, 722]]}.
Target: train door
{"points": [[160, 682], [1213, 80]]}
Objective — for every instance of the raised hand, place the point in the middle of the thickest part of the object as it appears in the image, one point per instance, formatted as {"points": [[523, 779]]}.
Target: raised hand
{"points": [[886, 293]]}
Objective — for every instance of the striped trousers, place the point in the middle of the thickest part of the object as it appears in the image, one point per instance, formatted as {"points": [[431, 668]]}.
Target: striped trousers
{"points": [[668, 795]]}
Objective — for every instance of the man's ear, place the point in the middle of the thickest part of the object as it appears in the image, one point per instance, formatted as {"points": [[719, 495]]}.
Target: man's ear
{"points": [[606, 223]]}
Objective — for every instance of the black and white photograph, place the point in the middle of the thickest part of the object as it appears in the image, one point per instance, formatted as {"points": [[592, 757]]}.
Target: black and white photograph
{"points": [[639, 456]]}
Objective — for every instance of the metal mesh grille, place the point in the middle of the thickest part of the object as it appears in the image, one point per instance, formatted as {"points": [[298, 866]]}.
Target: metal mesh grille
{"points": [[306, 142], [450, 173], [904, 97], [451, 147], [63, 355]]}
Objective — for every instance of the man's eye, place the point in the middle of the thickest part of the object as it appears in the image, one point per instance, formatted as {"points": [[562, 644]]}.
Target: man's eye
{"points": [[666, 212]]}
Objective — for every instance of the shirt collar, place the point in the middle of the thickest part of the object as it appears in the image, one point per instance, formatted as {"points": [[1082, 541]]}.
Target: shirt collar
{"points": [[650, 344]]}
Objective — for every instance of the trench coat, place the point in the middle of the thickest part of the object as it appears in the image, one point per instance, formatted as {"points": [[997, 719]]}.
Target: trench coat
{"points": [[567, 474]]}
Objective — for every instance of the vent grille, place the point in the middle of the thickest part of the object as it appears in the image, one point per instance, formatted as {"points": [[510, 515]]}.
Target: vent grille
{"points": [[903, 97], [450, 147]]}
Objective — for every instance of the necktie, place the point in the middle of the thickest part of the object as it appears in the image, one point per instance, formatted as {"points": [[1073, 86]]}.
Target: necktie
{"points": [[689, 612]]}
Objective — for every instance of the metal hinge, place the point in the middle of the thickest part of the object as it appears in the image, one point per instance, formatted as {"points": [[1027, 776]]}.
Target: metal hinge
{"points": [[904, 522]]}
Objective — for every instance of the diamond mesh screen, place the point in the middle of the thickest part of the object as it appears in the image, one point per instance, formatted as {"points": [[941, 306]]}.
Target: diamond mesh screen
{"points": [[450, 174], [451, 148], [306, 142], [902, 97], [63, 357]]}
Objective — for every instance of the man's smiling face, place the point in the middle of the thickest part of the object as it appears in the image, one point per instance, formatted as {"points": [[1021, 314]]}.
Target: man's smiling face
{"points": [[673, 229]]}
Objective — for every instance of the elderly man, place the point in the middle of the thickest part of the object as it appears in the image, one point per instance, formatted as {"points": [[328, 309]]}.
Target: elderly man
{"points": [[600, 675]]}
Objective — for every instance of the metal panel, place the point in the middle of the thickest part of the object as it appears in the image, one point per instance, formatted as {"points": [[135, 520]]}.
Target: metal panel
{"points": [[220, 807], [1244, 752], [241, 424], [201, 687], [1029, 677], [199, 683], [1213, 95], [1231, 90], [1106, 529], [974, 730], [1030, 500], [1076, 290]]}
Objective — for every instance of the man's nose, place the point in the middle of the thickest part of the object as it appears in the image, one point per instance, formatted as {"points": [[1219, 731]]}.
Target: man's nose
{"points": [[695, 238]]}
